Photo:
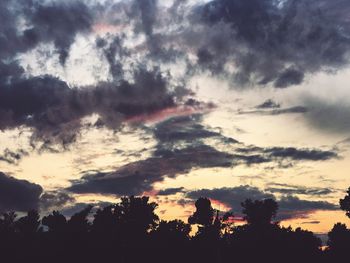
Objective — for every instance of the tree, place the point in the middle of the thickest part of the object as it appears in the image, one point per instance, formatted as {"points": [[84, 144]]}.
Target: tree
{"points": [[345, 203], [105, 220], [56, 222], [135, 216], [79, 223], [259, 212], [204, 214], [339, 238], [7, 223], [174, 231], [29, 224]]}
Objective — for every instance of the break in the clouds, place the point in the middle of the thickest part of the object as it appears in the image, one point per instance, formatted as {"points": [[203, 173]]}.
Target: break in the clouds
{"points": [[18, 195], [290, 206]]}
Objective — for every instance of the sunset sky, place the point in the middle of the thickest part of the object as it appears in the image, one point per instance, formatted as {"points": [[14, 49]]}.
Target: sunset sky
{"points": [[228, 99]]}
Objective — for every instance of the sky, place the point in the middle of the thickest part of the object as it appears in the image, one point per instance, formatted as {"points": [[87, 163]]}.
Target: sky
{"points": [[227, 99]]}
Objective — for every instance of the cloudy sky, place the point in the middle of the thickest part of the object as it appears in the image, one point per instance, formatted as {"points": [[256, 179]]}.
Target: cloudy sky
{"points": [[176, 99]]}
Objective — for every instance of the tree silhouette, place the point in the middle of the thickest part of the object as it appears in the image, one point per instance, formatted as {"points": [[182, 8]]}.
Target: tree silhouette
{"points": [[56, 222], [345, 203], [79, 223], [259, 212], [29, 224], [130, 232], [339, 240], [105, 220], [175, 231], [7, 223], [204, 214], [135, 216]]}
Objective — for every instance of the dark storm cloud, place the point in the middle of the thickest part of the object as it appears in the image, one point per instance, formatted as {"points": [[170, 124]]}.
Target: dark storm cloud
{"points": [[138, 177], [289, 206], [274, 41], [18, 195]]}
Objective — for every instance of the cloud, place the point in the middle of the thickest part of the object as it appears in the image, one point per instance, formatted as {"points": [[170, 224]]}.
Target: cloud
{"points": [[186, 128], [300, 154], [55, 199], [171, 191], [327, 115], [180, 148], [278, 154], [138, 177], [286, 189], [13, 157], [268, 104], [289, 205], [267, 111], [269, 41], [57, 22], [18, 195], [53, 109]]}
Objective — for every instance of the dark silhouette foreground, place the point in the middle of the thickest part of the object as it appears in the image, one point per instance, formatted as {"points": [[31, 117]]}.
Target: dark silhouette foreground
{"points": [[130, 231]]}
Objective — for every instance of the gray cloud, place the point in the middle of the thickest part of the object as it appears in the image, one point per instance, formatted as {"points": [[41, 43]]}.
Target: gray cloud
{"points": [[53, 109], [289, 153], [171, 191], [327, 115], [57, 22], [267, 111], [299, 190], [300, 154], [55, 199], [138, 177], [18, 195], [273, 41], [13, 157], [187, 128], [268, 104], [180, 148]]}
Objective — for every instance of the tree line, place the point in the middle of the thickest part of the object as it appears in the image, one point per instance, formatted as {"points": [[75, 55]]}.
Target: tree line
{"points": [[131, 231]]}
